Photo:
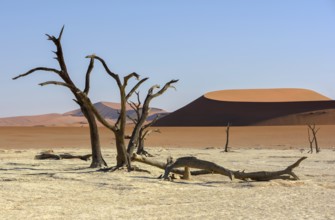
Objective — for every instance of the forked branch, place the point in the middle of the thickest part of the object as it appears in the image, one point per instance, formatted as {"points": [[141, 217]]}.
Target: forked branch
{"points": [[109, 72]]}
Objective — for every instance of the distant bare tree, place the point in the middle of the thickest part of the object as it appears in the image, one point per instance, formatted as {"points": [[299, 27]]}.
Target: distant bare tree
{"points": [[227, 137], [310, 140], [81, 96], [312, 129]]}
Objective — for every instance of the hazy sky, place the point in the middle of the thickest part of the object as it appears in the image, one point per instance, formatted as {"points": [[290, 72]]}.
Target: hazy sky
{"points": [[207, 45]]}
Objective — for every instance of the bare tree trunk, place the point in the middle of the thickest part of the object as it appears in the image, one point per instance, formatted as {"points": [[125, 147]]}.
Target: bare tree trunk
{"points": [[317, 149], [97, 159], [122, 156], [227, 138], [310, 141], [136, 133], [140, 145]]}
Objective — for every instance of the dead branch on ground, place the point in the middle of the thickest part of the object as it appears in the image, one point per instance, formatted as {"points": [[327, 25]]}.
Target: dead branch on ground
{"points": [[51, 156], [207, 167]]}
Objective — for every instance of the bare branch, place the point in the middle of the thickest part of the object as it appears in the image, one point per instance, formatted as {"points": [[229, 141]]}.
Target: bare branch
{"points": [[151, 90], [60, 57], [59, 84], [52, 38], [113, 75], [126, 78], [138, 98], [100, 118], [166, 86], [150, 123], [132, 119], [61, 33], [76, 101], [147, 132], [133, 105], [135, 88], [38, 69], [88, 73]]}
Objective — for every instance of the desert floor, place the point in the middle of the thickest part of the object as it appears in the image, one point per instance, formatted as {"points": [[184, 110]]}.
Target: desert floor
{"points": [[276, 137], [67, 189]]}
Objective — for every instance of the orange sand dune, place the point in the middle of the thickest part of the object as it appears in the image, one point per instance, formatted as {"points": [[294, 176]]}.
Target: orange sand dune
{"points": [[254, 107], [75, 118]]}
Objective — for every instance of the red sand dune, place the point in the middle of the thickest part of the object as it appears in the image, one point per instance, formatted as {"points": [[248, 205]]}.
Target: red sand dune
{"points": [[254, 107], [108, 110]]}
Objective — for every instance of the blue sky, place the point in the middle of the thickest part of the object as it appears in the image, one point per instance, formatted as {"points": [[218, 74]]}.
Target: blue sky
{"points": [[207, 45]]}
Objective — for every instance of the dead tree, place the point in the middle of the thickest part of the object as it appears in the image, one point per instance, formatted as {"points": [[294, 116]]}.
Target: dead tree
{"points": [[144, 129], [145, 112], [122, 158], [227, 137], [310, 140], [81, 96], [207, 167], [312, 129]]}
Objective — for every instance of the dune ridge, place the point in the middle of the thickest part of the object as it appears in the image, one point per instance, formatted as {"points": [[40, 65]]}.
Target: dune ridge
{"points": [[254, 108], [266, 95]]}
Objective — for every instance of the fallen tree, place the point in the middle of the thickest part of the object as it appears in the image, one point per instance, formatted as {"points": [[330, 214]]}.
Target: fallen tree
{"points": [[51, 156], [207, 167]]}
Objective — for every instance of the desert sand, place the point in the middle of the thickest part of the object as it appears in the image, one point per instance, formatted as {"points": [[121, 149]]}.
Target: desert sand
{"points": [[67, 189], [277, 137]]}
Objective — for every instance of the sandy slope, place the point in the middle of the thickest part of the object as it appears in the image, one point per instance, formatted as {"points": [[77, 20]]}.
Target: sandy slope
{"points": [[66, 189]]}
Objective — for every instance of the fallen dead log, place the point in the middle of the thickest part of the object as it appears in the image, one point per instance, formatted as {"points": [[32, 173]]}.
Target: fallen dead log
{"points": [[162, 165], [193, 162], [207, 167], [51, 156]]}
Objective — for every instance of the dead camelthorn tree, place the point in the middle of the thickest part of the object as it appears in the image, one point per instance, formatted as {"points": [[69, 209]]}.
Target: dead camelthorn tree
{"points": [[144, 130], [81, 96], [136, 134], [227, 138], [122, 158], [312, 129]]}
